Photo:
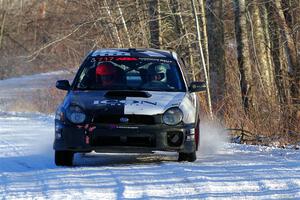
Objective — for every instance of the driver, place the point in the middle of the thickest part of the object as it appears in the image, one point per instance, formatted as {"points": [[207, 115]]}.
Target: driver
{"points": [[157, 73], [157, 77], [107, 74]]}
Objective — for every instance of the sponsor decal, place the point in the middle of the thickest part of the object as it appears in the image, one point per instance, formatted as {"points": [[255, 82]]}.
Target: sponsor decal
{"points": [[116, 102], [156, 60], [156, 104], [127, 127], [114, 126], [113, 58], [104, 59], [127, 59]]}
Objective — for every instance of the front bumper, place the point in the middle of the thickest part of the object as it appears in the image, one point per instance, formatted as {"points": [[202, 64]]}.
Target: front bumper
{"points": [[123, 138]]}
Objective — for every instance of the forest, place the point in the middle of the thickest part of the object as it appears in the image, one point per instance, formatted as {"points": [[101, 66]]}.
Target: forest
{"points": [[247, 51]]}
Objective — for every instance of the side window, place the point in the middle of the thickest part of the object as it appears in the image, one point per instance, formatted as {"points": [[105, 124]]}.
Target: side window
{"points": [[185, 71], [86, 77]]}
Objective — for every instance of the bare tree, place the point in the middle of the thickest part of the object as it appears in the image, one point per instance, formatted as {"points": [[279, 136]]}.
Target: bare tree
{"points": [[155, 23], [204, 18], [290, 52], [112, 24], [200, 49], [259, 48], [142, 27], [216, 50], [2, 27], [182, 32], [124, 24], [243, 53]]}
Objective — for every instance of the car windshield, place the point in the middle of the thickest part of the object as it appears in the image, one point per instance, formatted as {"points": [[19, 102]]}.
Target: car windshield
{"points": [[129, 73]]}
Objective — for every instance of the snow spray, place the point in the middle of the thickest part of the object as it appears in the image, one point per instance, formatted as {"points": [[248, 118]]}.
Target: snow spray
{"points": [[213, 137]]}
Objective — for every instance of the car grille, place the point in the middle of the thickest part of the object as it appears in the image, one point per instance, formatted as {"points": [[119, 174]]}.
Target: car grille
{"points": [[124, 141], [132, 119]]}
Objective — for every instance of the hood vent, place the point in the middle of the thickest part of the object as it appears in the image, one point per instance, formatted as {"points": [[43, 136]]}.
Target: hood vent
{"points": [[124, 93]]}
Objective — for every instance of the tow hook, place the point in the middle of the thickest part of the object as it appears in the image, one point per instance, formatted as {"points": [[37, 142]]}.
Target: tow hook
{"points": [[88, 130]]}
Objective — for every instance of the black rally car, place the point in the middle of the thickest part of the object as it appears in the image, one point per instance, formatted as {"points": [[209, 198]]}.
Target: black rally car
{"points": [[128, 101]]}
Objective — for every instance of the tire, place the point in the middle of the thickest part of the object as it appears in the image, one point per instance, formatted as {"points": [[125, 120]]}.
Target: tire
{"points": [[64, 158], [190, 157]]}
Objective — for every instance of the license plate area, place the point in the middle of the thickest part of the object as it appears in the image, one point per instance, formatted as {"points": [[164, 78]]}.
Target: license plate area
{"points": [[137, 141], [123, 138]]}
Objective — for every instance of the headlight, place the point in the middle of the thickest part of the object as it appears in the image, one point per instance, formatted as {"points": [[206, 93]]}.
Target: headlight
{"points": [[75, 114], [172, 116]]}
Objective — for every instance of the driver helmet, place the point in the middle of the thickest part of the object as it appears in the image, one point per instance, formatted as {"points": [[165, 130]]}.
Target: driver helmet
{"points": [[106, 74], [158, 73]]}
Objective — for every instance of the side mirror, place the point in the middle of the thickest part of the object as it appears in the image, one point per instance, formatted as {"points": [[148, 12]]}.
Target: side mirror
{"points": [[63, 85], [197, 87]]}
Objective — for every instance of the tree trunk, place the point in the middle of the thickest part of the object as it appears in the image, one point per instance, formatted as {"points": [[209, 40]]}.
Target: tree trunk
{"points": [[278, 58], [2, 28], [291, 52], [216, 51], [112, 25], [202, 58], [185, 32], [142, 26], [260, 52], [182, 32], [293, 64], [296, 20], [204, 24], [176, 13], [124, 24], [155, 23], [270, 63], [243, 53]]}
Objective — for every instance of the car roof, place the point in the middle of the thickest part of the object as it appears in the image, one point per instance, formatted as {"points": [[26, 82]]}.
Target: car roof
{"points": [[135, 52]]}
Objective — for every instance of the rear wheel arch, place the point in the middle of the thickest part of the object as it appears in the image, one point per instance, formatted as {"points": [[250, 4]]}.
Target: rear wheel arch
{"points": [[197, 133]]}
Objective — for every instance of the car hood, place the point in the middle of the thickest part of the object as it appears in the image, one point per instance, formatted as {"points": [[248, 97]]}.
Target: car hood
{"points": [[98, 101]]}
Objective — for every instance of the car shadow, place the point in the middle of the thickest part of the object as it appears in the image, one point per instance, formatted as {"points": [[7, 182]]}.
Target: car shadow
{"points": [[114, 159]]}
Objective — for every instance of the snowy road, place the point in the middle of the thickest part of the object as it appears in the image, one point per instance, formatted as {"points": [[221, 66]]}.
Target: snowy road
{"points": [[23, 93], [27, 170]]}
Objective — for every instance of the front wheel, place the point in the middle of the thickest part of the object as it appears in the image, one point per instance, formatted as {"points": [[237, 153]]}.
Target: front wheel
{"points": [[64, 158], [190, 157]]}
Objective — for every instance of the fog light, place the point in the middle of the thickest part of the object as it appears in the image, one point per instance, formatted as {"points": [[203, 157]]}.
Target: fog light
{"points": [[175, 138]]}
